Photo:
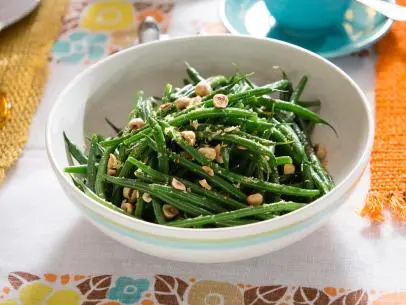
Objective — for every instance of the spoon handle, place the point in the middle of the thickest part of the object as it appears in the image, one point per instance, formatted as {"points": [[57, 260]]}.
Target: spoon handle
{"points": [[148, 30], [390, 10]]}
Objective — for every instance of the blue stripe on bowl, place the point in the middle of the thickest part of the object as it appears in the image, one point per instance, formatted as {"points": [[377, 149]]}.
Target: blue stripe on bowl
{"points": [[209, 244]]}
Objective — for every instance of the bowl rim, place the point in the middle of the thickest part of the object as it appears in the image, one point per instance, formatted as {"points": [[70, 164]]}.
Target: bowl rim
{"points": [[210, 233]]}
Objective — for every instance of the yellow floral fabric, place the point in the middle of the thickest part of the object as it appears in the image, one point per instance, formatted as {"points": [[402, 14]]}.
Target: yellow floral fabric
{"points": [[63, 289]]}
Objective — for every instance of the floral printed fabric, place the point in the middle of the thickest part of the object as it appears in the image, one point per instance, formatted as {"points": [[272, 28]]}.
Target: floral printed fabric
{"points": [[52, 289], [93, 30]]}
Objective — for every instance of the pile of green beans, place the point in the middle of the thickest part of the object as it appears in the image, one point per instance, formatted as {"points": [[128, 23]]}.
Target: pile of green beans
{"points": [[184, 159]]}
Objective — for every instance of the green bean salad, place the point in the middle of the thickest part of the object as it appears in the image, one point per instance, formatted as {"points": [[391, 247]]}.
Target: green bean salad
{"points": [[218, 152]]}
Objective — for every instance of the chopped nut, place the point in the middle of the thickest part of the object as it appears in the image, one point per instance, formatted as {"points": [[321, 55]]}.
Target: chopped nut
{"points": [[208, 170], [266, 158], [112, 163], [321, 151], [130, 194], [146, 197], [219, 157], [183, 102], [165, 105], [231, 128], [203, 88], [169, 211], [134, 195], [209, 152], [111, 172], [128, 207], [189, 136], [204, 184], [241, 147], [255, 199], [176, 184], [237, 185], [194, 124], [218, 150], [196, 100], [220, 101], [288, 169], [136, 123], [127, 192]]}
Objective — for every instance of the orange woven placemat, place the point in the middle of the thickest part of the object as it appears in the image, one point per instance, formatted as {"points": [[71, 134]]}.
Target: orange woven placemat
{"points": [[388, 162], [24, 49]]}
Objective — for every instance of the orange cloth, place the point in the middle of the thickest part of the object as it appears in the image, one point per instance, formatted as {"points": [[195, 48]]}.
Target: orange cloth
{"points": [[388, 162]]}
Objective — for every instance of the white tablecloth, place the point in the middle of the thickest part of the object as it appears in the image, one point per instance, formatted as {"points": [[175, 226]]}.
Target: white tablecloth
{"points": [[41, 232]]}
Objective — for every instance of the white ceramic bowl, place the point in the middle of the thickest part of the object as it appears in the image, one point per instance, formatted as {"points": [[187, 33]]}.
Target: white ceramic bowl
{"points": [[107, 89]]}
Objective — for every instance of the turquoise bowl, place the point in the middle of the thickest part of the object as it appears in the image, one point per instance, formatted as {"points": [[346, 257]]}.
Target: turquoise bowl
{"points": [[307, 17]]}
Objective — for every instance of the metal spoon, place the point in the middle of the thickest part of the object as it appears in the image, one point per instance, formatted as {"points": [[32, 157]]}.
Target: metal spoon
{"points": [[148, 30], [390, 10]]}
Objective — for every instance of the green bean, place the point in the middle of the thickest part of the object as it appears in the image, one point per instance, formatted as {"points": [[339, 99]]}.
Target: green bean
{"points": [[236, 222], [137, 136], [286, 95], [161, 145], [159, 215], [251, 146], [139, 208], [166, 97], [148, 170], [195, 199], [126, 182], [307, 104], [297, 93], [296, 146], [225, 200], [145, 188], [101, 171], [111, 124], [127, 169], [211, 113], [91, 163], [276, 208], [74, 150], [225, 89], [257, 135], [315, 163], [193, 74], [93, 196], [256, 138], [184, 205], [318, 181], [296, 109], [138, 100], [157, 176], [282, 160], [76, 169], [146, 109], [218, 81], [225, 154], [215, 180]]}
